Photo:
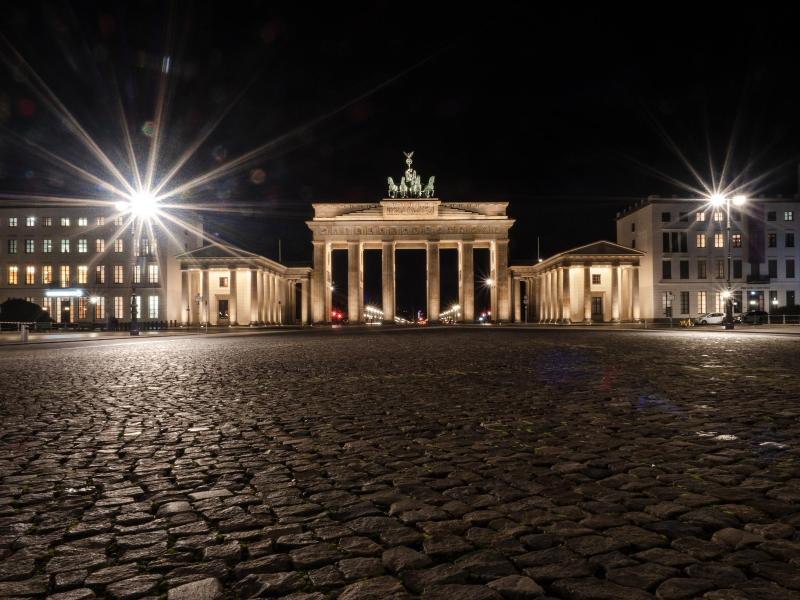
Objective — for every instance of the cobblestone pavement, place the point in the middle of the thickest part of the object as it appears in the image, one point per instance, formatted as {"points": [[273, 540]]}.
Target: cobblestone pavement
{"points": [[475, 464]]}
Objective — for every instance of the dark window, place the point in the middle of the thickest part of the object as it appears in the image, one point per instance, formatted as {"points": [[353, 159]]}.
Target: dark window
{"points": [[772, 266], [790, 268], [737, 269], [684, 266], [684, 303], [684, 242], [595, 278], [789, 297], [665, 242], [736, 215], [772, 240], [720, 269], [790, 240], [633, 226], [674, 241], [684, 217], [737, 301], [223, 282], [633, 243], [701, 269], [666, 217], [666, 269], [771, 215]]}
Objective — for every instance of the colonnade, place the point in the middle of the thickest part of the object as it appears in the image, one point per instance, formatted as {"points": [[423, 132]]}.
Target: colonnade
{"points": [[267, 298], [322, 282], [568, 294]]}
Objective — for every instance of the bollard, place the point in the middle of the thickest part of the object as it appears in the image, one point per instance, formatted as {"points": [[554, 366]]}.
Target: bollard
{"points": [[23, 333]]}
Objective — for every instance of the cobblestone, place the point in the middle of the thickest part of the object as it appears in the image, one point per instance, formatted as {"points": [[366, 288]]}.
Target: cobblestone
{"points": [[450, 464]]}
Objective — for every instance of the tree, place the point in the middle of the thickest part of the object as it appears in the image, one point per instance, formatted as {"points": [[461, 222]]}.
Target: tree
{"points": [[17, 309]]}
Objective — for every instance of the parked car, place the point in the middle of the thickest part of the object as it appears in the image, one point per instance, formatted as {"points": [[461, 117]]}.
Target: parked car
{"points": [[755, 317], [714, 318]]}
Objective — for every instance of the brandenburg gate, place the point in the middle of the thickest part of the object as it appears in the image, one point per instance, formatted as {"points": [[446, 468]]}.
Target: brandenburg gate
{"points": [[410, 218]]}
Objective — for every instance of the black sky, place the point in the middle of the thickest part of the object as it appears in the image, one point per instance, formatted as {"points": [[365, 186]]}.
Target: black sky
{"points": [[562, 113]]}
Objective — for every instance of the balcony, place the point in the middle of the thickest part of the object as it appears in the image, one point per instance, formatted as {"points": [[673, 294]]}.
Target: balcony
{"points": [[758, 279]]}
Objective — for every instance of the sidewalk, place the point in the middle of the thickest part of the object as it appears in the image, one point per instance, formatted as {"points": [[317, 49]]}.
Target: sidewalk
{"points": [[740, 328], [12, 338]]}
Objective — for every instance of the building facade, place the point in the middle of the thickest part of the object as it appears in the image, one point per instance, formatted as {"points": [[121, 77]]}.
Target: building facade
{"points": [[84, 264], [683, 271]]}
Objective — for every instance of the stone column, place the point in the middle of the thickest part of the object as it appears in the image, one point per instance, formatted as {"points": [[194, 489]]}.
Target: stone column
{"points": [[587, 294], [433, 281], [551, 296], [304, 301], [319, 282], [615, 294], [566, 299], [276, 318], [466, 282], [205, 309], [540, 301], [517, 301], [503, 281], [262, 304], [253, 296], [355, 290], [559, 294], [635, 292], [185, 306], [233, 311], [387, 279]]}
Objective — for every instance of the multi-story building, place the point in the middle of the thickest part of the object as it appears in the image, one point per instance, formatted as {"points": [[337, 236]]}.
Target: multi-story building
{"points": [[684, 268], [82, 264]]}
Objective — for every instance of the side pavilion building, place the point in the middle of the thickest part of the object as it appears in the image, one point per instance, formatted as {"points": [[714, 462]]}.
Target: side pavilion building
{"points": [[598, 282]]}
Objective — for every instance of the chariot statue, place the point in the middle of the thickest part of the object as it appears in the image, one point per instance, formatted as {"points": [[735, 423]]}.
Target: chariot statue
{"points": [[410, 185]]}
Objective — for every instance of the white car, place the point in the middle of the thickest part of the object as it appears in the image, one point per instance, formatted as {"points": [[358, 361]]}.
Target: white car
{"points": [[710, 319]]}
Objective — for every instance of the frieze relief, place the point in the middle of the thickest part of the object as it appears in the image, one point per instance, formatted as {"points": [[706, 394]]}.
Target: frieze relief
{"points": [[423, 231]]}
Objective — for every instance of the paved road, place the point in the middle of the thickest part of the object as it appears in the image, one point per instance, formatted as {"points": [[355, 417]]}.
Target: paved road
{"points": [[471, 464]]}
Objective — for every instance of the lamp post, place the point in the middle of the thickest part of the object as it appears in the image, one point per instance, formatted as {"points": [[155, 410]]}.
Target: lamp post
{"points": [[719, 200]]}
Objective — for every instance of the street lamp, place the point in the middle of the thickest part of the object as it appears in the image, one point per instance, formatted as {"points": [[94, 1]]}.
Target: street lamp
{"points": [[719, 200]]}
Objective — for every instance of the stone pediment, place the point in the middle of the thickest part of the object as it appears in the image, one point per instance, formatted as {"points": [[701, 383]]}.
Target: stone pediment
{"points": [[390, 209]]}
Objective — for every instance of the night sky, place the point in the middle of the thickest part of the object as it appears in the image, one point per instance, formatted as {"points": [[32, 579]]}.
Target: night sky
{"points": [[566, 115]]}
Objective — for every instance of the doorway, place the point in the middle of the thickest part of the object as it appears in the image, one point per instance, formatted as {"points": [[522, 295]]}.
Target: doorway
{"points": [[597, 309], [66, 311], [222, 310]]}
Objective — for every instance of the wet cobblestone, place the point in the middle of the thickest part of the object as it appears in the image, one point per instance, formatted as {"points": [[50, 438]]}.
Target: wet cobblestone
{"points": [[433, 464]]}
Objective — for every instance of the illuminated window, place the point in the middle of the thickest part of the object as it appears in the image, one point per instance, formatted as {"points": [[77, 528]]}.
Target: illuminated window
{"points": [[82, 309], [152, 307], [152, 273], [100, 221], [47, 274], [137, 274], [12, 246], [119, 246], [700, 240], [47, 246], [30, 275], [83, 245], [30, 221], [65, 246], [65, 221], [83, 274], [13, 275], [718, 215], [719, 240], [46, 304], [736, 240], [788, 215], [700, 215], [100, 274], [30, 246], [118, 274], [701, 302], [119, 307], [82, 221], [719, 302], [47, 221], [99, 245], [64, 277], [12, 221], [100, 308], [119, 221]]}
